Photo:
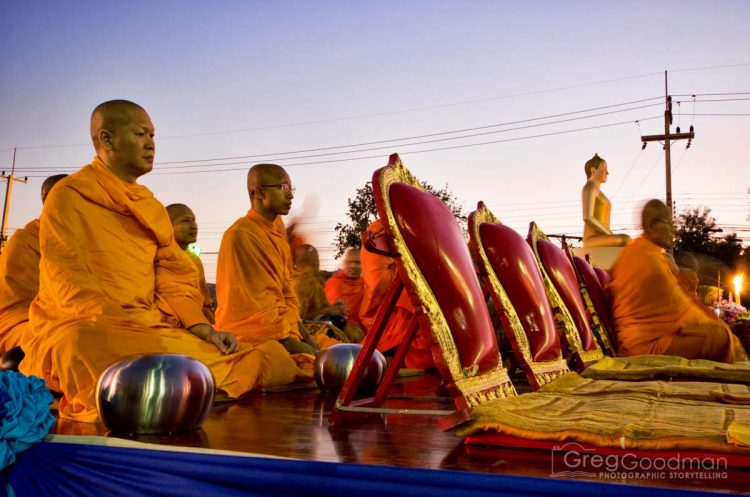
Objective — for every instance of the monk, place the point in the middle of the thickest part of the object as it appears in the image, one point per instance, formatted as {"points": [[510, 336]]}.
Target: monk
{"points": [[186, 232], [378, 272], [653, 313], [310, 291], [19, 277], [113, 282], [347, 285], [254, 286]]}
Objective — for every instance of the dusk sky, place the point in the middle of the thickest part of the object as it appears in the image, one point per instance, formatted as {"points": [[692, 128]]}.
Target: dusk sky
{"points": [[232, 83]]}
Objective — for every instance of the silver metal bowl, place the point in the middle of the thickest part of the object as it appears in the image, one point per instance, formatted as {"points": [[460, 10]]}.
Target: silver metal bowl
{"points": [[156, 393], [333, 365]]}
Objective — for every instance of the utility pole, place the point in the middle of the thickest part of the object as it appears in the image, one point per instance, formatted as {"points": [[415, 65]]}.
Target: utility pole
{"points": [[10, 179], [667, 137]]}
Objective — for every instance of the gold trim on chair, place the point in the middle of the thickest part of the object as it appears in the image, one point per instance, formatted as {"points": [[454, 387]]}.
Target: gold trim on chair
{"points": [[562, 314], [474, 389], [539, 373], [597, 327]]}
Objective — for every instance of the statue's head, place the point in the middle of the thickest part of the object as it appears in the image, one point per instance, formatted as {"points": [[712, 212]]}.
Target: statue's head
{"points": [[594, 165]]}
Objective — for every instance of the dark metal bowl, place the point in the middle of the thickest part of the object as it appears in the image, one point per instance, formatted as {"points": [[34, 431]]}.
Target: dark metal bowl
{"points": [[333, 365], [158, 393]]}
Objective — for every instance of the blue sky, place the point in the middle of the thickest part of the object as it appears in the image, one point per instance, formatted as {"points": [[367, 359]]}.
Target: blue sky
{"points": [[258, 80]]}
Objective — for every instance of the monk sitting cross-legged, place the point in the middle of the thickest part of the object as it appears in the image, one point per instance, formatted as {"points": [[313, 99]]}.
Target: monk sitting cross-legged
{"points": [[186, 232], [653, 313], [19, 277], [113, 282], [254, 287]]}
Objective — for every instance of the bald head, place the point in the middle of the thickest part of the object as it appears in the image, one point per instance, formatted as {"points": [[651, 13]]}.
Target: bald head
{"points": [[183, 223], [49, 183], [306, 258], [352, 263], [111, 116], [656, 220], [176, 210], [270, 189], [263, 174]]}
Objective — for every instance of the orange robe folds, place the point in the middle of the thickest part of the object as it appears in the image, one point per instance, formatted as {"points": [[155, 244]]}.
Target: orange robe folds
{"points": [[19, 284], [349, 290], [254, 287], [310, 293], [208, 305], [114, 283], [654, 315], [378, 273]]}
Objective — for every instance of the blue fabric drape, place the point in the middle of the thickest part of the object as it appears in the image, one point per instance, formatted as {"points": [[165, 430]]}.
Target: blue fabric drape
{"points": [[64, 469]]}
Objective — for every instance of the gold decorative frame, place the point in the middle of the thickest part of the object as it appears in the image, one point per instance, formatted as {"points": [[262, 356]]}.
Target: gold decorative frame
{"points": [[474, 388], [538, 373], [595, 320], [564, 319]]}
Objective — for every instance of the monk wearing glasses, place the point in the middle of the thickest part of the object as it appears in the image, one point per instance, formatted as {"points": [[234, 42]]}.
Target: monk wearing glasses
{"points": [[254, 285]]}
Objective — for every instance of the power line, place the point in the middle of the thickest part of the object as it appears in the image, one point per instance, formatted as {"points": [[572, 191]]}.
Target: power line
{"points": [[169, 164]]}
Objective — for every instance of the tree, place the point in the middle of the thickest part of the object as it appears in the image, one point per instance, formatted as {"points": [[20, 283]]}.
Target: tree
{"points": [[363, 211], [694, 230], [695, 233]]}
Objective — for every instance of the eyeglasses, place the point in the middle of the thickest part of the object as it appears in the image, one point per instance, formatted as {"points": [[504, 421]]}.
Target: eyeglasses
{"points": [[285, 187]]}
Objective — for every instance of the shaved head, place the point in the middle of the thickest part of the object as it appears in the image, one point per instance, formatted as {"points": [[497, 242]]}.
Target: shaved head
{"points": [[306, 257], [175, 210], [261, 174], [111, 116], [49, 183], [654, 209], [658, 226], [352, 263]]}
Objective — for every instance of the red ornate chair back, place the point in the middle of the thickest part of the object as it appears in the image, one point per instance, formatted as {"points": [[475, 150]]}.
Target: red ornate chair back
{"points": [[601, 315], [565, 297], [510, 271], [603, 277], [438, 273]]}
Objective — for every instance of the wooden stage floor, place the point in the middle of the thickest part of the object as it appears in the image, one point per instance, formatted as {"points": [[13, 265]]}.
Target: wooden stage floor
{"points": [[294, 424]]}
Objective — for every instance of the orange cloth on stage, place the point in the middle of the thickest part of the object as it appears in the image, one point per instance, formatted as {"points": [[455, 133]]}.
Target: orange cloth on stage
{"points": [[208, 305], [350, 290], [378, 272], [19, 283], [254, 287], [114, 283], [653, 313], [310, 293]]}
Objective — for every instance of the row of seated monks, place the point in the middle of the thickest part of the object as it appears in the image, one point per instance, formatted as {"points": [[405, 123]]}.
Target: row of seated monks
{"points": [[104, 274]]}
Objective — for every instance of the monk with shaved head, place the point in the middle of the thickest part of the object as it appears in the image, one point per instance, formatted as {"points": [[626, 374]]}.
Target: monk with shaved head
{"points": [[254, 286], [185, 233], [653, 313], [114, 283], [19, 277]]}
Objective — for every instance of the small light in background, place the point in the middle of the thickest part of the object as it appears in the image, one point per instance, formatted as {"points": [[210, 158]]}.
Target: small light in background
{"points": [[195, 249], [737, 283]]}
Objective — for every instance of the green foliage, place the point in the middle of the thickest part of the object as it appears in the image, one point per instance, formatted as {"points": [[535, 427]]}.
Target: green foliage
{"points": [[697, 233], [362, 211]]}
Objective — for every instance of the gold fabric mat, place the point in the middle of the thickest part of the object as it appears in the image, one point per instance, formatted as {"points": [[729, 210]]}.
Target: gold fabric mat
{"points": [[627, 420], [653, 366], [573, 384]]}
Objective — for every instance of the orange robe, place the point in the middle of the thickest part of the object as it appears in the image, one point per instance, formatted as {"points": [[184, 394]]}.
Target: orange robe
{"points": [[254, 287], [19, 284], [208, 305], [113, 283], [350, 290], [378, 273], [653, 313], [310, 293]]}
